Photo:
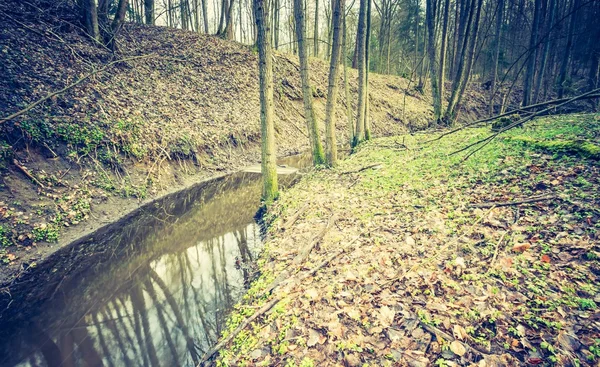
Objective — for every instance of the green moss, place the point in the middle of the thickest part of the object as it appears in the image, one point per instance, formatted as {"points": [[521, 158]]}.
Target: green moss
{"points": [[5, 240], [582, 147]]}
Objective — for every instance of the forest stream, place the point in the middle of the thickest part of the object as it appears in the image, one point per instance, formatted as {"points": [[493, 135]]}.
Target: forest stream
{"points": [[153, 289]]}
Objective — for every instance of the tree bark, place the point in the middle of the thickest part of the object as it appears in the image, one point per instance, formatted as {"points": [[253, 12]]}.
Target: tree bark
{"points": [[564, 67], [465, 63], [316, 31], [361, 42], [544, 60], [443, 46], [332, 91], [90, 18], [497, 39], [149, 11], [430, 16], [265, 71], [309, 112], [346, 84], [205, 16], [367, 67], [532, 60]]}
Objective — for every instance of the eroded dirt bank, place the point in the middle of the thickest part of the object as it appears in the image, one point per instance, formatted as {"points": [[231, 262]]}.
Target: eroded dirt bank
{"points": [[405, 255], [182, 108]]}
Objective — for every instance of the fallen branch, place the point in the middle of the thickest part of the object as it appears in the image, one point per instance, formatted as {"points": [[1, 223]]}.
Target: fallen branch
{"points": [[489, 139], [374, 165], [515, 202], [521, 109], [241, 327], [77, 82], [300, 258], [496, 250], [27, 173], [290, 222]]}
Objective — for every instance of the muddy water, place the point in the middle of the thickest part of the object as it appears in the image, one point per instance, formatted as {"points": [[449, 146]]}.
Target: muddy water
{"points": [[153, 289]]}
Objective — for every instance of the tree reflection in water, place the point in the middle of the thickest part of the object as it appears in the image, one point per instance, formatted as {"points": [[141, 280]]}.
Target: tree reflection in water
{"points": [[160, 294]]}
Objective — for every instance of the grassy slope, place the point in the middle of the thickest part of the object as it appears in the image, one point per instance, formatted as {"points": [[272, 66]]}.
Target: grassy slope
{"points": [[516, 284], [144, 127]]}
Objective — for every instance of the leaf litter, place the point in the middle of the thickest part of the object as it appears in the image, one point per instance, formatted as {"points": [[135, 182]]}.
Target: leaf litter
{"points": [[431, 279]]}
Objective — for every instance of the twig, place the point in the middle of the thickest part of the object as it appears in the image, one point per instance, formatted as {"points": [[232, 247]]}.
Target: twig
{"points": [[241, 327], [515, 202], [489, 139], [300, 258], [79, 81], [290, 222], [374, 165], [27, 173], [511, 113], [496, 251], [432, 329]]}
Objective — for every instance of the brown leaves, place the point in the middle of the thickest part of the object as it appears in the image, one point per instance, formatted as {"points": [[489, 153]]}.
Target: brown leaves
{"points": [[521, 247], [458, 348], [386, 316]]}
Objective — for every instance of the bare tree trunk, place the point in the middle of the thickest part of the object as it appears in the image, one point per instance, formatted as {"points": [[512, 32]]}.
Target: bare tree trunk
{"points": [[443, 46], [361, 42], [497, 39], [228, 31], [546, 51], [276, 12], [265, 71], [465, 61], [346, 84], [90, 18], [564, 67], [367, 68], [309, 112], [205, 16], [430, 15], [532, 60], [149, 11], [332, 91], [316, 31]]}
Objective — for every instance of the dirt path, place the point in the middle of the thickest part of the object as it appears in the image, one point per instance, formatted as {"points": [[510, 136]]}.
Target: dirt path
{"points": [[419, 268]]}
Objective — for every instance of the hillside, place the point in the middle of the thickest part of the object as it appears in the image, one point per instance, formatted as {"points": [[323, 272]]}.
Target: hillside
{"points": [[183, 107]]}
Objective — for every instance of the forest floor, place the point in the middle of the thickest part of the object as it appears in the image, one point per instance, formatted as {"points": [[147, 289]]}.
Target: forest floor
{"points": [[405, 255]]}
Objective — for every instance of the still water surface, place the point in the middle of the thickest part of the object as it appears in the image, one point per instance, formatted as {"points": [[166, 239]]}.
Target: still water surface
{"points": [[154, 289]]}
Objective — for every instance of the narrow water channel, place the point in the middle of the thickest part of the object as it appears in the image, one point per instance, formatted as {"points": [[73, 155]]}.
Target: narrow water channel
{"points": [[153, 289]]}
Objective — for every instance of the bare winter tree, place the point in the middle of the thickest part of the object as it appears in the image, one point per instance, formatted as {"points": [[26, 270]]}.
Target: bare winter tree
{"points": [[309, 112], [265, 72]]}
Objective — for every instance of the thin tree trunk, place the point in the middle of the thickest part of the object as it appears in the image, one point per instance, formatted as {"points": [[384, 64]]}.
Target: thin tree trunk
{"points": [[205, 16], [367, 68], [332, 91], [497, 39], [361, 42], [532, 60], [346, 84], [316, 31], [545, 52], [149, 11], [309, 112], [276, 24], [564, 67], [90, 18], [265, 72], [443, 46], [430, 16]]}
